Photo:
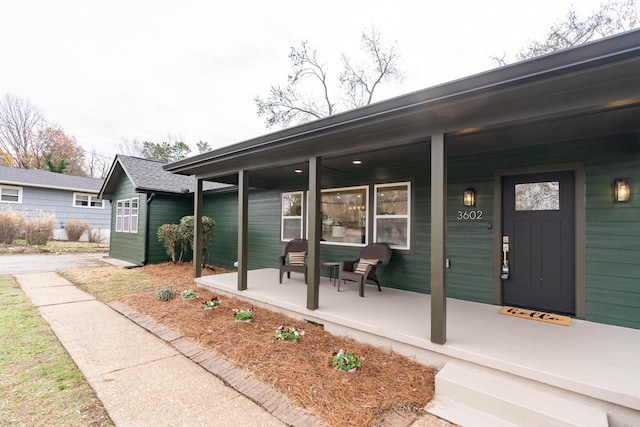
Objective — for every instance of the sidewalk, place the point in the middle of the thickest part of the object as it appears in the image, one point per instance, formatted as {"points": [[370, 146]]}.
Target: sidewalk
{"points": [[141, 379]]}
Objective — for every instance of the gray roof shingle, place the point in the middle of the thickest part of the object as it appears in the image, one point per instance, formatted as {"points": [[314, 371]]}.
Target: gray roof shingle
{"points": [[148, 175], [46, 179]]}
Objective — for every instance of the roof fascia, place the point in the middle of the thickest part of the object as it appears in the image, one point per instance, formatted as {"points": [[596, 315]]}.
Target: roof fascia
{"points": [[51, 187]]}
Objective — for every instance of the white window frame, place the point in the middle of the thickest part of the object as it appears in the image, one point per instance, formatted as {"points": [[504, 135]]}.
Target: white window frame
{"points": [[119, 215], [406, 216], [284, 217], [135, 209], [92, 199], [366, 210], [10, 187], [127, 214]]}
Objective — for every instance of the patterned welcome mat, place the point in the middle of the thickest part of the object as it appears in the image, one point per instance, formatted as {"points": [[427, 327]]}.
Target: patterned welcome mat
{"points": [[540, 316]]}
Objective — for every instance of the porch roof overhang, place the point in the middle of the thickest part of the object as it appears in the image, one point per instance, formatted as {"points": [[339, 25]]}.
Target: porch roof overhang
{"points": [[545, 93]]}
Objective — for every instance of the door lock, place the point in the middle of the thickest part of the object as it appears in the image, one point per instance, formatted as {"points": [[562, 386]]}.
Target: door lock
{"points": [[504, 268]]}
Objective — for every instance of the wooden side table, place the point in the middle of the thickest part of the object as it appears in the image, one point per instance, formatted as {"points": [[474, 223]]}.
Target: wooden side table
{"points": [[333, 270]]}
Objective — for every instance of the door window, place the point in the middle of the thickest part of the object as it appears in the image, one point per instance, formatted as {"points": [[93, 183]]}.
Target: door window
{"points": [[538, 196]]}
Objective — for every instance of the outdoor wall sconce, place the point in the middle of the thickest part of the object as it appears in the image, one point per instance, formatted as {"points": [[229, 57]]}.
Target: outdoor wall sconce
{"points": [[469, 197], [622, 189]]}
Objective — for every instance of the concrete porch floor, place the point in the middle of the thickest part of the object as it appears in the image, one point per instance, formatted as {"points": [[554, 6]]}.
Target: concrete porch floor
{"points": [[599, 363]]}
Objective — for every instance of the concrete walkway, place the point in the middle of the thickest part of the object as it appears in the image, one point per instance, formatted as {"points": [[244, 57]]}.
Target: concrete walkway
{"points": [[140, 379]]}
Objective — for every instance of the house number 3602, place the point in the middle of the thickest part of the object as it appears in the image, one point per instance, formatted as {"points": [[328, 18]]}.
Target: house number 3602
{"points": [[469, 215]]}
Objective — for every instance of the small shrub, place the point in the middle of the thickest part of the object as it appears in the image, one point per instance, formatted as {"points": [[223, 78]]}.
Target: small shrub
{"points": [[11, 226], [165, 294], [170, 236], [40, 230], [187, 228], [75, 229]]}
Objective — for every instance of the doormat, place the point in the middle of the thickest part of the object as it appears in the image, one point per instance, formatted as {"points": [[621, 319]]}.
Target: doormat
{"points": [[540, 316]]}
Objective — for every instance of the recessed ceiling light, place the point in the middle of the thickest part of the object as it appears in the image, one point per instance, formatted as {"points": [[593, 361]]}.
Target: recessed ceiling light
{"points": [[297, 170], [357, 162]]}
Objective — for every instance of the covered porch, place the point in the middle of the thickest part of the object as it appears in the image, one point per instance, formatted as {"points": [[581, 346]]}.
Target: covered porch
{"points": [[587, 362]]}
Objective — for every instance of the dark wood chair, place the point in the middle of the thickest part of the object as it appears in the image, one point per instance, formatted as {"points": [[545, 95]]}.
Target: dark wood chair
{"points": [[294, 249], [365, 266]]}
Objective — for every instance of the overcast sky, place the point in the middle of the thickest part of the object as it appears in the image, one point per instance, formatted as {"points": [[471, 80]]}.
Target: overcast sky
{"points": [[144, 70]]}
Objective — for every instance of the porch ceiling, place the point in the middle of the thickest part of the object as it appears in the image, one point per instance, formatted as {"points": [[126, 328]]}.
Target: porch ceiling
{"points": [[488, 138]]}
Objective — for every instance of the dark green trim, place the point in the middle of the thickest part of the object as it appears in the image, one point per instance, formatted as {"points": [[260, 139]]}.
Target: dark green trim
{"points": [[313, 257], [197, 230], [243, 228], [438, 239]]}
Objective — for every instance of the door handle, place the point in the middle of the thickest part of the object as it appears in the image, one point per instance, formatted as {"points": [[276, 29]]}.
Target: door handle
{"points": [[504, 268]]}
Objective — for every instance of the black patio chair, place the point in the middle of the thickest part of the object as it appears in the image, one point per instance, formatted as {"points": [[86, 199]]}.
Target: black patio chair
{"points": [[293, 258], [365, 266]]}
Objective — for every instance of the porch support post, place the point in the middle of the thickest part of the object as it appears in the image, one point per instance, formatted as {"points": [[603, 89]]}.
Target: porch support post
{"points": [[197, 230], [438, 239], [243, 226], [313, 257]]}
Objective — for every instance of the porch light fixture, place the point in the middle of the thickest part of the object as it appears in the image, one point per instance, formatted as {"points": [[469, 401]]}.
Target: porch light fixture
{"points": [[357, 162], [469, 197], [622, 189], [297, 170]]}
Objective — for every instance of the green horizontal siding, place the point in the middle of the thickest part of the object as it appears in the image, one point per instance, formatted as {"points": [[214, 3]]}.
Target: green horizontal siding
{"points": [[406, 269], [612, 229], [223, 248], [165, 209], [128, 246]]}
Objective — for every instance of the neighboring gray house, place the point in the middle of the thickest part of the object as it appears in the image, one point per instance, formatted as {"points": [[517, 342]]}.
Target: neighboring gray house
{"points": [[35, 192]]}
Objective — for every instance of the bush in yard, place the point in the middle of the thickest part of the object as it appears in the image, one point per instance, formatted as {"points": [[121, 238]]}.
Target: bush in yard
{"points": [[171, 236], [75, 229], [40, 230], [11, 226], [187, 228]]}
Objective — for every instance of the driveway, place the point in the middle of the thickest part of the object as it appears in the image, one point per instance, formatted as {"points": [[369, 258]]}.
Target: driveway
{"points": [[19, 264]]}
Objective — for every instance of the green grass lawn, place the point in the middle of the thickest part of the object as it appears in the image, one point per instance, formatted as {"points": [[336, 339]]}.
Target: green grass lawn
{"points": [[39, 383]]}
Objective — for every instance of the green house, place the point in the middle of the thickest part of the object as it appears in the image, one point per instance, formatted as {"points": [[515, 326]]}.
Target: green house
{"points": [[144, 196], [517, 186]]}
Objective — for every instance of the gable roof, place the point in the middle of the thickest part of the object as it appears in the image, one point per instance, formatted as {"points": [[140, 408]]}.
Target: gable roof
{"points": [[46, 179], [148, 176]]}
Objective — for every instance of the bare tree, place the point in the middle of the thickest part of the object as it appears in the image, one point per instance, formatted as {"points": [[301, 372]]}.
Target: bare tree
{"points": [[129, 147], [20, 123], [359, 80], [612, 17], [97, 165]]}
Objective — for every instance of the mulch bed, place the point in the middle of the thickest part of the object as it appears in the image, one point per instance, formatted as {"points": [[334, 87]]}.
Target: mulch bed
{"points": [[302, 371]]}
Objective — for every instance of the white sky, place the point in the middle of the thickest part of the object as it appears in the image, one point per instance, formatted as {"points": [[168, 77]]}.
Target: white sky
{"points": [[144, 70]]}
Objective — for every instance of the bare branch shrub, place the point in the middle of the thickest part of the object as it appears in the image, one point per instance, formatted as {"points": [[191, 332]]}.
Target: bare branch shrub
{"points": [[40, 230], [75, 229], [11, 226], [95, 235]]}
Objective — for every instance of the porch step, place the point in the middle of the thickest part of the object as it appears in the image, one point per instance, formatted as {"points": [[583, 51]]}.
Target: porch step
{"points": [[464, 392]]}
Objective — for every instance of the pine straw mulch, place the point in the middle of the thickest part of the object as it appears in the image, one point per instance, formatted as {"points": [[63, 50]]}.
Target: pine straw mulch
{"points": [[301, 371]]}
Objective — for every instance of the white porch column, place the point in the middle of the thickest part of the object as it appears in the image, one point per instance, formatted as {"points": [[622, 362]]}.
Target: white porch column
{"points": [[438, 239]]}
